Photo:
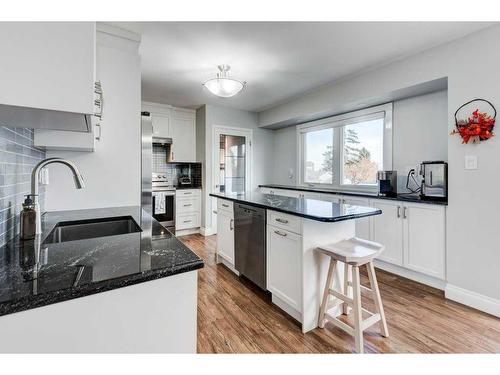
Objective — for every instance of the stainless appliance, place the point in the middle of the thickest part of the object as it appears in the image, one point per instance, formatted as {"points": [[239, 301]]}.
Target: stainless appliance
{"points": [[146, 160], [184, 180], [434, 180], [163, 204], [387, 183], [250, 243], [167, 144]]}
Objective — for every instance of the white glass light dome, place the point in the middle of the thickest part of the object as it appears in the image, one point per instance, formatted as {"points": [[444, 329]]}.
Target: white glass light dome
{"points": [[222, 85]]}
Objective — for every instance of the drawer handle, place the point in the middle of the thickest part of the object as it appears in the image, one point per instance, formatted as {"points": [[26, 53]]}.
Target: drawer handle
{"points": [[186, 221], [187, 205], [187, 192], [280, 233], [283, 221], [225, 205]]}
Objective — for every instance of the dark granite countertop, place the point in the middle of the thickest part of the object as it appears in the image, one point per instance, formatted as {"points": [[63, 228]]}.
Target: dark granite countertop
{"points": [[33, 274], [304, 207], [404, 197]]}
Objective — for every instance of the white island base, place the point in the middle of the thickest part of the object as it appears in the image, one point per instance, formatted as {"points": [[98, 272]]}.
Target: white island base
{"points": [[157, 316], [296, 272]]}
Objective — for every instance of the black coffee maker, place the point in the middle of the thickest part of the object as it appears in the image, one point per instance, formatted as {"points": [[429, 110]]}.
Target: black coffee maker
{"points": [[387, 183]]}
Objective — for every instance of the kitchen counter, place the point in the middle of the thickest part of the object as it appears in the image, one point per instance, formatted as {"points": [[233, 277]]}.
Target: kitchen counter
{"points": [[33, 274], [404, 197], [307, 208]]}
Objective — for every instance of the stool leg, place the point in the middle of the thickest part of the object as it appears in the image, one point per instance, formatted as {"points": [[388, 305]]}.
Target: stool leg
{"points": [[345, 306], [326, 294], [376, 298], [356, 308]]}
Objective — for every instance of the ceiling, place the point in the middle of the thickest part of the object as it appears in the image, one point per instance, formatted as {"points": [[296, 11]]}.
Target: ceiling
{"points": [[279, 60]]}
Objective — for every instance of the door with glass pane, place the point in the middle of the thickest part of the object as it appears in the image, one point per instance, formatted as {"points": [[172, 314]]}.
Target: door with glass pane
{"points": [[232, 168], [231, 160]]}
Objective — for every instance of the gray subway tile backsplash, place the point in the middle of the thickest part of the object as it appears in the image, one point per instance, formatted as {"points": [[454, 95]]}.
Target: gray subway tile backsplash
{"points": [[18, 156]]}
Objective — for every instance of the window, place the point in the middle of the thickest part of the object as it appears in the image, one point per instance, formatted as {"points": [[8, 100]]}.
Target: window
{"points": [[318, 169], [346, 151]]}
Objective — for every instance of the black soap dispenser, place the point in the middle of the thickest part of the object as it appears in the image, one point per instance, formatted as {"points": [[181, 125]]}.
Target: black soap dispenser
{"points": [[28, 219]]}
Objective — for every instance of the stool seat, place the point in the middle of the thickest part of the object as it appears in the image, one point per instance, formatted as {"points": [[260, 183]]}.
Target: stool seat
{"points": [[354, 251]]}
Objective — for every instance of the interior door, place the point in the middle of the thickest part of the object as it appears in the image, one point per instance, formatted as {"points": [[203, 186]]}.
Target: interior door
{"points": [[231, 172]]}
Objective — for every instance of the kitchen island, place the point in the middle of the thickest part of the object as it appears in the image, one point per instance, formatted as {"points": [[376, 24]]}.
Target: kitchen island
{"points": [[130, 292], [295, 227]]}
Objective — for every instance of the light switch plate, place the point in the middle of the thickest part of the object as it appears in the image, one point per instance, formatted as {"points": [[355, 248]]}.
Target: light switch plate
{"points": [[470, 162]]}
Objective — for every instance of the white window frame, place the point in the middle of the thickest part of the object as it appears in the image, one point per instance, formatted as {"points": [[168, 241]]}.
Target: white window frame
{"points": [[337, 123]]}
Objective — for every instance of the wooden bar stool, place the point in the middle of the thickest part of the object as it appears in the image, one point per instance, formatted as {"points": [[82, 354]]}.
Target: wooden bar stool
{"points": [[354, 253]]}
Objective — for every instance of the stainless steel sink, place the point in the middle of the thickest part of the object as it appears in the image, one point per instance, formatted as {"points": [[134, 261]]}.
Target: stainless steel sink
{"points": [[92, 228]]}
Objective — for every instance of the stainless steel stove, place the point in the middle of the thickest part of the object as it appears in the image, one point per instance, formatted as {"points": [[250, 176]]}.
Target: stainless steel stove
{"points": [[163, 201]]}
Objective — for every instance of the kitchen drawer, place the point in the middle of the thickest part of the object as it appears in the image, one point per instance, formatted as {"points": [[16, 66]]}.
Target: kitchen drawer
{"points": [[186, 205], [284, 221], [188, 193], [225, 205], [187, 221]]}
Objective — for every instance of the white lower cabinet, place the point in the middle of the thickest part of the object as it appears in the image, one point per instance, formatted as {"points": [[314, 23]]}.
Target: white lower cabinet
{"points": [[413, 234], [187, 210], [284, 262], [424, 239], [387, 229], [225, 235], [363, 224]]}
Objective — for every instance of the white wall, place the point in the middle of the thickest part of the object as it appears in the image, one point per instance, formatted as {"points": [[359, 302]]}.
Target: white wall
{"points": [[263, 142], [473, 253], [113, 172], [285, 156]]}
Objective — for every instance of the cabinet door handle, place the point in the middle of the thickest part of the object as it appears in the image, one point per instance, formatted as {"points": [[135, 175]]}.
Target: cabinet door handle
{"points": [[225, 205], [231, 224], [283, 221], [99, 103], [98, 126], [399, 212], [215, 212], [280, 233], [404, 212]]}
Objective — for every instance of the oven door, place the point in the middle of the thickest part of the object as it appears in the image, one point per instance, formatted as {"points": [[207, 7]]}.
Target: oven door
{"points": [[166, 219]]}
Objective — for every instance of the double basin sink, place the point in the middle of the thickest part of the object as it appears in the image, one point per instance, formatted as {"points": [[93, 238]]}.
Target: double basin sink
{"points": [[92, 228]]}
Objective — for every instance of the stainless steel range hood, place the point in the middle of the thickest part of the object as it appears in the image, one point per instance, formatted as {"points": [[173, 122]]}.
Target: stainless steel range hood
{"points": [[44, 119], [162, 141]]}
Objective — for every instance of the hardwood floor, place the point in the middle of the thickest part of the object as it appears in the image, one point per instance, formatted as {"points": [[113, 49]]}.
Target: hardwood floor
{"points": [[236, 317]]}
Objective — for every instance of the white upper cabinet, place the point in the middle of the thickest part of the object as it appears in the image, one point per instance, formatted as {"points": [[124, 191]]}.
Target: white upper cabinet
{"points": [[48, 66], [183, 133], [161, 125], [424, 240], [178, 124]]}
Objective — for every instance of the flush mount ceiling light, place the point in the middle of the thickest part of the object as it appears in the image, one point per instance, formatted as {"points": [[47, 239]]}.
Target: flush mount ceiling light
{"points": [[222, 85]]}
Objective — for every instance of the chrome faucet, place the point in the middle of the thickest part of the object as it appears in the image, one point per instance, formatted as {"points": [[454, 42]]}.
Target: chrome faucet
{"points": [[79, 184]]}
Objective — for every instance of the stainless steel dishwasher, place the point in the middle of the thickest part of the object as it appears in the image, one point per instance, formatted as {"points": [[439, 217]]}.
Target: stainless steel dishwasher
{"points": [[250, 243]]}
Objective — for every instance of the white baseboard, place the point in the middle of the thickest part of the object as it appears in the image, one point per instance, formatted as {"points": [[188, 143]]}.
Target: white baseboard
{"points": [[185, 232], [207, 231], [473, 299], [287, 308], [410, 274], [227, 264]]}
